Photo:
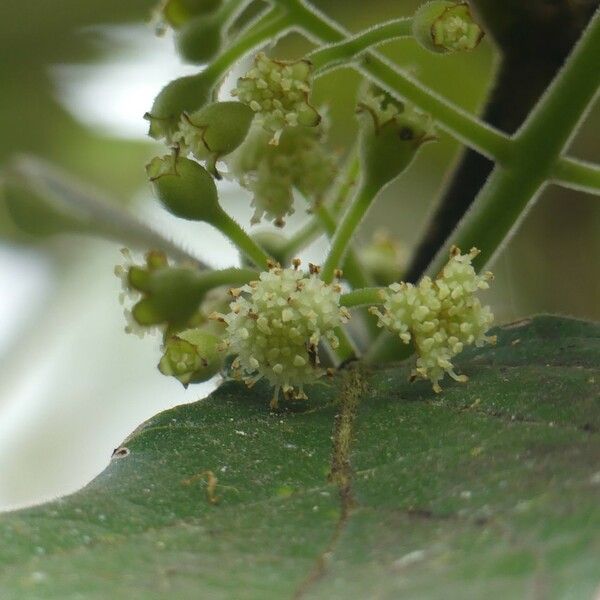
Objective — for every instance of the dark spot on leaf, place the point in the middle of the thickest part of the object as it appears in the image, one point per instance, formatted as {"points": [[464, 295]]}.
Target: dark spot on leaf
{"points": [[121, 452]]}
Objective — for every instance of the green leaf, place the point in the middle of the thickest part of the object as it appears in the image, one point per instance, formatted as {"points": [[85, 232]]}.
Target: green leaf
{"points": [[488, 490]]}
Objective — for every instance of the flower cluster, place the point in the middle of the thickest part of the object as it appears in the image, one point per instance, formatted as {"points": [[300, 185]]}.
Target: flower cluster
{"points": [[439, 316], [275, 325], [278, 92], [300, 161], [446, 26]]}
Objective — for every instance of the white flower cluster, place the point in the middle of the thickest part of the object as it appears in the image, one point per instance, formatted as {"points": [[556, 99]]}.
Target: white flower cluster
{"points": [[278, 91], [300, 161], [275, 325], [440, 316]]}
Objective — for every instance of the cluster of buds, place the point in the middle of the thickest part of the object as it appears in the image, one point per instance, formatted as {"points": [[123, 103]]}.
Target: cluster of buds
{"points": [[277, 92], [173, 301], [275, 325], [300, 161], [439, 316]]}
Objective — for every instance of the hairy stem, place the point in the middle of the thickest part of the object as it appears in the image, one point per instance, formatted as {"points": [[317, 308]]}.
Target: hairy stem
{"points": [[511, 188], [346, 228], [240, 239], [348, 50], [578, 175], [268, 25], [361, 297], [462, 125], [233, 276]]}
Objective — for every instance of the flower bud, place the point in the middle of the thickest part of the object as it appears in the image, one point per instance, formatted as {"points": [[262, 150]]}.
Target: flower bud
{"points": [[445, 26], [184, 187], [178, 12], [185, 94], [171, 295], [200, 39], [278, 92], [191, 356], [390, 135], [215, 131]]}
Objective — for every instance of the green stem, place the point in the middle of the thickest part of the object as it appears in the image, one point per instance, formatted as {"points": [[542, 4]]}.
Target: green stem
{"points": [[303, 237], [267, 26], [578, 175], [348, 50], [240, 239], [345, 230], [346, 350], [362, 297], [230, 10], [207, 280], [510, 190], [460, 124]]}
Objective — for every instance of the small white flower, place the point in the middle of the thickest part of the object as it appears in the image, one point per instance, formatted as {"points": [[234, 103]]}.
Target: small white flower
{"points": [[275, 325]]}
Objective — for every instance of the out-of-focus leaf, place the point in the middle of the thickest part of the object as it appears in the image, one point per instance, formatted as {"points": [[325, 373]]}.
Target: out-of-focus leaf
{"points": [[489, 490], [44, 200]]}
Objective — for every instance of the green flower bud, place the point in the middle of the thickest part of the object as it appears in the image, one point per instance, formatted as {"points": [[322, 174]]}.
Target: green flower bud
{"points": [[200, 39], [184, 187], [390, 135], [172, 296], [191, 356], [445, 26], [178, 12], [384, 258], [161, 294], [185, 94], [215, 131]]}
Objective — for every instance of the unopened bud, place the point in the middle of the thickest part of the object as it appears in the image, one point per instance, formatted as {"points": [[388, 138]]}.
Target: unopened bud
{"points": [[391, 134], [215, 130], [191, 356], [186, 94], [184, 187], [200, 39], [178, 12]]}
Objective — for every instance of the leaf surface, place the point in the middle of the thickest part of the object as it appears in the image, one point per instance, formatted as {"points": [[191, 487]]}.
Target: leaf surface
{"points": [[375, 488]]}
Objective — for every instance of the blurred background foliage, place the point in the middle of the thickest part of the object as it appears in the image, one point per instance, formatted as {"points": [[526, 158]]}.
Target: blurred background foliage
{"points": [[550, 265]]}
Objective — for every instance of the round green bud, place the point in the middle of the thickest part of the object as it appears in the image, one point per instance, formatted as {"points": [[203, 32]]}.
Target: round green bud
{"points": [[444, 26], [185, 94], [390, 135], [185, 188], [191, 356], [200, 39], [178, 12], [215, 131], [175, 293]]}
